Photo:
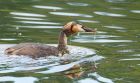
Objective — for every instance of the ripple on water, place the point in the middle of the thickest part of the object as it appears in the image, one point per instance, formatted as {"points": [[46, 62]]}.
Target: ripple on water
{"points": [[77, 4], [51, 27], [27, 14], [116, 1], [48, 7], [126, 51], [28, 18], [130, 59], [88, 80], [97, 36], [8, 39], [109, 14], [114, 27], [135, 11], [136, 55], [88, 21], [70, 14], [18, 79], [117, 8], [22, 63], [65, 67], [100, 78], [38, 22], [97, 39]]}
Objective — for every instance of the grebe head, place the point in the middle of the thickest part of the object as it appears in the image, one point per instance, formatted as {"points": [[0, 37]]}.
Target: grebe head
{"points": [[74, 27]]}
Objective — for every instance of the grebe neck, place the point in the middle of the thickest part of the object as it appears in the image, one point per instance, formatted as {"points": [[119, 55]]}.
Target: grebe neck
{"points": [[62, 43]]}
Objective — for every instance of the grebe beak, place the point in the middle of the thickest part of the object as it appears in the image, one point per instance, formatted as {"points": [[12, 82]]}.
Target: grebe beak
{"points": [[81, 28]]}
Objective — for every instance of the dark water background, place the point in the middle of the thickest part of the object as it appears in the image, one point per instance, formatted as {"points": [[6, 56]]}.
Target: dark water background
{"points": [[117, 39]]}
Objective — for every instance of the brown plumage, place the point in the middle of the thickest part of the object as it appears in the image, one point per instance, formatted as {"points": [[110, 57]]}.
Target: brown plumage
{"points": [[36, 50], [33, 50]]}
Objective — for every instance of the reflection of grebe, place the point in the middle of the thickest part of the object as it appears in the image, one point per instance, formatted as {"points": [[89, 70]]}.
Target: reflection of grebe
{"points": [[40, 50], [75, 72], [79, 70]]}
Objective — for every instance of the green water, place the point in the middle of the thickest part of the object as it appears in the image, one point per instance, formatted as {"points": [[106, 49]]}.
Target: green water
{"points": [[117, 39]]}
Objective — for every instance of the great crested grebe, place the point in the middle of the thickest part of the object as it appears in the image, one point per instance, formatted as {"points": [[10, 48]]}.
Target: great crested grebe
{"points": [[36, 50]]}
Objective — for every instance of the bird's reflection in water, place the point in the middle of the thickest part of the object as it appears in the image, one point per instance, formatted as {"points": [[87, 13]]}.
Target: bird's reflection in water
{"points": [[79, 70], [75, 72]]}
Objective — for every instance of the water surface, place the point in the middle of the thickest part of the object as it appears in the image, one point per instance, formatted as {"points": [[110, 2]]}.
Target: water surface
{"points": [[112, 55]]}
